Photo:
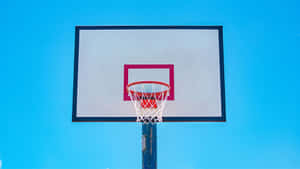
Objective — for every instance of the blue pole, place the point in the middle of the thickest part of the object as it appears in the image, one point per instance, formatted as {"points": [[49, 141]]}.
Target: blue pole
{"points": [[149, 146]]}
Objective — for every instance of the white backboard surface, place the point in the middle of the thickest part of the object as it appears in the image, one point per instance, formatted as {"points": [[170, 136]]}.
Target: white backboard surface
{"points": [[109, 57]]}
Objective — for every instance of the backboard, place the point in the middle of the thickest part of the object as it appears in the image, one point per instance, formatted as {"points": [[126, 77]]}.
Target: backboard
{"points": [[188, 58]]}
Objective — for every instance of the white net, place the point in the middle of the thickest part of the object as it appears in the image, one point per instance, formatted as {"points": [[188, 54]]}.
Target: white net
{"points": [[149, 100]]}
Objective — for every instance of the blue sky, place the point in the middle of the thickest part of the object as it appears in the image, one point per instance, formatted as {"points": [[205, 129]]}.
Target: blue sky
{"points": [[261, 49]]}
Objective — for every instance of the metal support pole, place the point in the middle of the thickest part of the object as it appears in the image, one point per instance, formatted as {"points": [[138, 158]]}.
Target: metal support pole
{"points": [[149, 146]]}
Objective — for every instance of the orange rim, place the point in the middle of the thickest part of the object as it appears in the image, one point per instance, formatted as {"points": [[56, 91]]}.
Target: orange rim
{"points": [[147, 82]]}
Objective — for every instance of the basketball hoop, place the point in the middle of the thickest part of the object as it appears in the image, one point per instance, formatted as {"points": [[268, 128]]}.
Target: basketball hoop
{"points": [[149, 99]]}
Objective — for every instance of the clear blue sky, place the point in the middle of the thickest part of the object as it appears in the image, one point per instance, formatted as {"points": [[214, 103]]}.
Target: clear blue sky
{"points": [[261, 48]]}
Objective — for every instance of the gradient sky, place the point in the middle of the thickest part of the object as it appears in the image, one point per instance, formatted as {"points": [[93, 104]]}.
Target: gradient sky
{"points": [[261, 50]]}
